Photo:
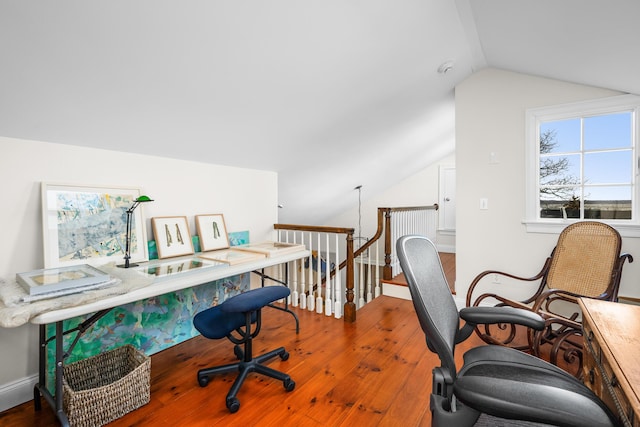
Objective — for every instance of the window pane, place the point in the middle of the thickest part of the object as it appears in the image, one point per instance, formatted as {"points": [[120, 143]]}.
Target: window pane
{"points": [[608, 167], [561, 136], [556, 202], [560, 170], [607, 131], [612, 202]]}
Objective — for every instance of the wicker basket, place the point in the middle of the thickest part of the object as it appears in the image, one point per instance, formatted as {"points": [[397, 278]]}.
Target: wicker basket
{"points": [[102, 388]]}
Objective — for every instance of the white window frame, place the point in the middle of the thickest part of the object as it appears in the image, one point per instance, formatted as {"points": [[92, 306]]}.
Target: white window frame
{"points": [[533, 118]]}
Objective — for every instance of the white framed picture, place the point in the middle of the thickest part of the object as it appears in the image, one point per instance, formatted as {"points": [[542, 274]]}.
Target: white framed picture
{"points": [[232, 257], [58, 279], [172, 236], [85, 224], [212, 232]]}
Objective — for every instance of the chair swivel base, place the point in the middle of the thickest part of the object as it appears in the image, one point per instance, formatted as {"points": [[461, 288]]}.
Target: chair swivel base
{"points": [[244, 368]]}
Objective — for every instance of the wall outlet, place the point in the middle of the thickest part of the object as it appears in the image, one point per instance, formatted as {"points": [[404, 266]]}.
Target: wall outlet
{"points": [[484, 203]]}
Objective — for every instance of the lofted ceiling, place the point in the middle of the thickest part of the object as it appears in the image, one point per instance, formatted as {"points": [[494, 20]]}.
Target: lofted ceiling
{"points": [[330, 94]]}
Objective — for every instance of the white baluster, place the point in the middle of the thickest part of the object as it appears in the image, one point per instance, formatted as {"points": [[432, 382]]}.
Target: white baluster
{"points": [[319, 276], [294, 273], [370, 273], [303, 276], [377, 281], [280, 268], [328, 304], [311, 300], [361, 282], [338, 289]]}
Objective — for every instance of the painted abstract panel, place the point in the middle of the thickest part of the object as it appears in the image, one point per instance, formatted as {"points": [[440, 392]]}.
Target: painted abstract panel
{"points": [[151, 325]]}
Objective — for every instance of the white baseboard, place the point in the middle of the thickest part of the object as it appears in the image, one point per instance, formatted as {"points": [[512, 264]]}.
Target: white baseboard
{"points": [[17, 392], [396, 291], [400, 291]]}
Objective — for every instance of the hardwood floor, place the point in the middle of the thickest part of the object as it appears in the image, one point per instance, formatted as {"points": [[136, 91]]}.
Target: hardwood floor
{"points": [[375, 372], [448, 261]]}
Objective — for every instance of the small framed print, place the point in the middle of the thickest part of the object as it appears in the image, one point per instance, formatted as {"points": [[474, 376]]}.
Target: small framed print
{"points": [[212, 232], [172, 236]]}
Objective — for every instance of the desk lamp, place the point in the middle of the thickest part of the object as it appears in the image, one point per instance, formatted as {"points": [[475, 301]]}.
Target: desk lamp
{"points": [[127, 255]]}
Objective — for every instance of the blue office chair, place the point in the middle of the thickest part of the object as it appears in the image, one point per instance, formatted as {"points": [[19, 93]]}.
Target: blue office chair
{"points": [[239, 314], [496, 385]]}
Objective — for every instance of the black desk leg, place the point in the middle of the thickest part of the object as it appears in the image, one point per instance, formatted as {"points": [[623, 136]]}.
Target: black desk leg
{"points": [[41, 389], [284, 282]]}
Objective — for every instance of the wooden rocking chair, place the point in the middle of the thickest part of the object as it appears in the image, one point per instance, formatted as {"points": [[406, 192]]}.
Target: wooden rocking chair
{"points": [[586, 262]]}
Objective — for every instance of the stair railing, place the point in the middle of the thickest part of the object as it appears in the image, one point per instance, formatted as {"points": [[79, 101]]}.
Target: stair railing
{"points": [[316, 282]]}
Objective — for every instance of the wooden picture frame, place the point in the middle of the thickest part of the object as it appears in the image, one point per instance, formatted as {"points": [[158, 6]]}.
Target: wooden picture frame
{"points": [[84, 224], [172, 236], [272, 248], [232, 257], [212, 232]]}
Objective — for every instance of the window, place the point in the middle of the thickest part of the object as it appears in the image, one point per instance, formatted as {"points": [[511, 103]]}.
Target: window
{"points": [[582, 164]]}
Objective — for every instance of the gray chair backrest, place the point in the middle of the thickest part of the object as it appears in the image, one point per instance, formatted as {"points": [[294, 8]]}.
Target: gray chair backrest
{"points": [[431, 295]]}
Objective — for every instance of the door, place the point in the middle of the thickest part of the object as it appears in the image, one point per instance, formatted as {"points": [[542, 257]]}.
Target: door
{"points": [[447, 215]]}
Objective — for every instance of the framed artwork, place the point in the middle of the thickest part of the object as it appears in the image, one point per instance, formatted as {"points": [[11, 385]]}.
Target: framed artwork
{"points": [[172, 236], [212, 232], [88, 225], [61, 279], [272, 248], [232, 257], [162, 269]]}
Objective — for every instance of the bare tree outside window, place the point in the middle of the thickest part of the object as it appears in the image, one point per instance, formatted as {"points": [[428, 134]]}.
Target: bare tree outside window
{"points": [[558, 186], [556, 182]]}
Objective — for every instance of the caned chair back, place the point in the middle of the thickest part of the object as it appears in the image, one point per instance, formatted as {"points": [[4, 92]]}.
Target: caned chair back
{"points": [[585, 259]]}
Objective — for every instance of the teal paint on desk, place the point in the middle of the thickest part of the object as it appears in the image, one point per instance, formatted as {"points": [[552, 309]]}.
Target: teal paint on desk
{"points": [[150, 325]]}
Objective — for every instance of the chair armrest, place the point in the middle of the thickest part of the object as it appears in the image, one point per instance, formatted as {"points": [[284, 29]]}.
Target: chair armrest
{"points": [[476, 281], [492, 315]]}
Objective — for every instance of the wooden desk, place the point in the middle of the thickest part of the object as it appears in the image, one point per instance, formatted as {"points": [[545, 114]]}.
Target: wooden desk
{"points": [[612, 344]]}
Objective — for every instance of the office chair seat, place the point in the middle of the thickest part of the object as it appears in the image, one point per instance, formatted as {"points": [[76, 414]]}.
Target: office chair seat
{"points": [[237, 315]]}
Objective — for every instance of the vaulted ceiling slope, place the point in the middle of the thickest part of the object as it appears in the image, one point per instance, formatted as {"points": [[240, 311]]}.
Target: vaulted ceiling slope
{"points": [[330, 94]]}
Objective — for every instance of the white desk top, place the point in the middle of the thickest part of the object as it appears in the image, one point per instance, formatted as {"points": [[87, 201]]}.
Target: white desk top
{"points": [[168, 284]]}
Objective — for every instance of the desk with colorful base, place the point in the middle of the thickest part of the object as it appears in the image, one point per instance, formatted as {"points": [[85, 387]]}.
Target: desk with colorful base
{"points": [[206, 273]]}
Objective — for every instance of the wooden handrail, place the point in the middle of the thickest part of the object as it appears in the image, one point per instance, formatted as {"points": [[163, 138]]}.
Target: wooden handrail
{"points": [[316, 228], [435, 206]]}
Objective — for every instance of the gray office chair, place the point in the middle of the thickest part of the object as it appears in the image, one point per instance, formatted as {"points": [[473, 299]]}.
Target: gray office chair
{"points": [[505, 386]]}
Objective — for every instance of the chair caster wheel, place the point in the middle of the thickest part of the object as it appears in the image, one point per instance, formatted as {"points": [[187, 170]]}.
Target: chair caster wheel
{"points": [[284, 356], [289, 384], [233, 404], [238, 352], [203, 381]]}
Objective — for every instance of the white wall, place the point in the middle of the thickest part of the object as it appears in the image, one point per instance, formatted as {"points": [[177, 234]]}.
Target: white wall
{"points": [[420, 189], [246, 197], [490, 117]]}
